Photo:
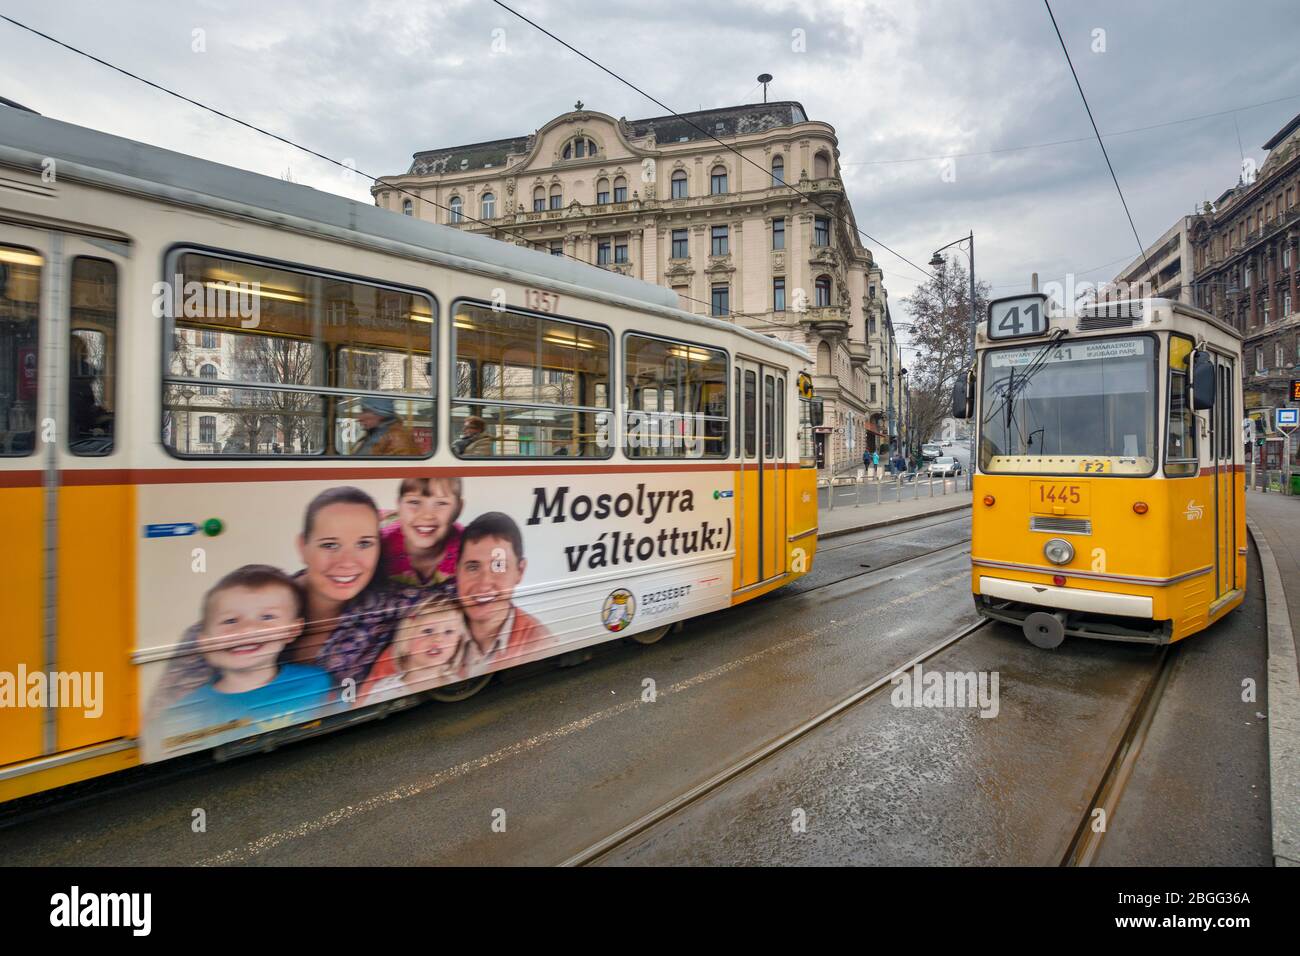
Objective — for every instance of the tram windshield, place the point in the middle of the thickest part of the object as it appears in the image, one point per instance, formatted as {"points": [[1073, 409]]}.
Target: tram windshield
{"points": [[1070, 408]]}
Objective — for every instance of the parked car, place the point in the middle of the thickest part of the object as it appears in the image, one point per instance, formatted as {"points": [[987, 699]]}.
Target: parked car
{"points": [[945, 466], [930, 450]]}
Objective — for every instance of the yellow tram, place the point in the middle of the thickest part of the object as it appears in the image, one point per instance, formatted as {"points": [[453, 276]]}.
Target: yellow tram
{"points": [[273, 461], [1109, 491]]}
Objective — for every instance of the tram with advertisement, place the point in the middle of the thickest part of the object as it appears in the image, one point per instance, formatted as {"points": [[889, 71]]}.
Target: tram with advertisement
{"points": [[273, 461], [1109, 487]]}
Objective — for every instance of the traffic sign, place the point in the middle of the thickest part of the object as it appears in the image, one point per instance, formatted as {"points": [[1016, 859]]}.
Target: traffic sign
{"points": [[1287, 419]]}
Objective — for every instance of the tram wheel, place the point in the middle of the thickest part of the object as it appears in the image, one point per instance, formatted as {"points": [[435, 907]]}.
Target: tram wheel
{"points": [[652, 636], [1045, 630], [461, 690]]}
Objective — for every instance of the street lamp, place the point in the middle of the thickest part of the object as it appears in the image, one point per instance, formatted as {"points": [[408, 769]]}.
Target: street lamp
{"points": [[936, 262]]}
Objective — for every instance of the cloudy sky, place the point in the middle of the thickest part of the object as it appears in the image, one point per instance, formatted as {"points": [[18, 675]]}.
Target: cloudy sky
{"points": [[904, 84]]}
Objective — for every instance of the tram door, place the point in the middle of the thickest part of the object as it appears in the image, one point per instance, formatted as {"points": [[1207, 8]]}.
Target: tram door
{"points": [[64, 570], [761, 429], [1223, 450]]}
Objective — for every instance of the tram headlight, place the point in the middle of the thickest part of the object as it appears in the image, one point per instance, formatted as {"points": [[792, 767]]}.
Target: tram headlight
{"points": [[1059, 551]]}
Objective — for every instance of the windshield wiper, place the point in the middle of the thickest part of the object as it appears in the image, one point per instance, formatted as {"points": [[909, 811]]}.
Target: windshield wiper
{"points": [[1014, 388]]}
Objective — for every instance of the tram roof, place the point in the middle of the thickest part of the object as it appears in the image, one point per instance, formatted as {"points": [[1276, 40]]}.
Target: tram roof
{"points": [[27, 139]]}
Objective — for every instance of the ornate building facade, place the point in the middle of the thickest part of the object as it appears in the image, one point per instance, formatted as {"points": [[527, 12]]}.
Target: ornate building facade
{"points": [[662, 201], [1247, 263]]}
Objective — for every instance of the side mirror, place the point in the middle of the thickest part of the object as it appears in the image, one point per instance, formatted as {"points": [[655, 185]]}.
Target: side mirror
{"points": [[818, 412], [963, 396], [1204, 381]]}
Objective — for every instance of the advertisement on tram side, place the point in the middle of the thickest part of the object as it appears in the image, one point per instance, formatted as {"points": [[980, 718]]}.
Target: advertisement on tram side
{"points": [[275, 603]]}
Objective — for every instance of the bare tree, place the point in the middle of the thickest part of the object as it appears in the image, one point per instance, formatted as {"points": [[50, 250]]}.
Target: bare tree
{"points": [[941, 330]]}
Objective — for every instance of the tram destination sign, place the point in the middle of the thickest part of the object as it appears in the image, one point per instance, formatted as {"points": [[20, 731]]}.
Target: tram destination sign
{"points": [[1018, 316], [1082, 351]]}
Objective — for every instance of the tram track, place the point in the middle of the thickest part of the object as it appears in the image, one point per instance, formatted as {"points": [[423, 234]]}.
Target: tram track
{"points": [[596, 851], [1088, 838]]}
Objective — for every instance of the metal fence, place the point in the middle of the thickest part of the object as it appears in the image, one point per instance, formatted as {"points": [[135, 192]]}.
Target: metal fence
{"points": [[869, 490]]}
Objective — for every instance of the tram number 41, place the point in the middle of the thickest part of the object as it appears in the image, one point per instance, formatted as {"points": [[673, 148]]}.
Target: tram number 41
{"points": [[1017, 316], [540, 301]]}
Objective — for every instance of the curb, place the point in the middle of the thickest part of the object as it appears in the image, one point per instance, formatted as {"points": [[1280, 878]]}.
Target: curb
{"points": [[823, 535], [1283, 710]]}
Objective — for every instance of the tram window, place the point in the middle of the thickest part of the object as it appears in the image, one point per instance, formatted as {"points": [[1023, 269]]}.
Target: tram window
{"points": [[751, 415], [529, 386], [92, 345], [807, 443], [306, 364], [1065, 408], [1181, 458], [739, 418], [676, 399], [780, 418], [769, 417], [20, 297]]}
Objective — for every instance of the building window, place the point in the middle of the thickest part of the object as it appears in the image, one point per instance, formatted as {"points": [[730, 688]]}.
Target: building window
{"points": [[821, 231], [1260, 367], [557, 198], [208, 372], [1286, 304], [778, 233], [579, 148], [208, 429], [871, 325], [620, 249], [718, 181], [455, 211], [719, 247], [489, 206], [778, 294], [537, 384], [1286, 257], [602, 252], [873, 391], [620, 189], [721, 300], [557, 248], [821, 166], [408, 209], [209, 339], [602, 192], [1265, 311], [539, 199], [778, 171], [680, 247], [679, 184], [823, 287], [1279, 355]]}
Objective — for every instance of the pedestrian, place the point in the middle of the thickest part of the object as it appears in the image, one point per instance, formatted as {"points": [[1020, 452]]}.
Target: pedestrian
{"points": [[875, 464]]}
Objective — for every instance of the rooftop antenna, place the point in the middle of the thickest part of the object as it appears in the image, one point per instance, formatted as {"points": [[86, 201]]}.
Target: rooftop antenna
{"points": [[765, 78]]}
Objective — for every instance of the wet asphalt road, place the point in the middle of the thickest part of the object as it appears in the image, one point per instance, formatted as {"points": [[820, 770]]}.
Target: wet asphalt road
{"points": [[547, 761]]}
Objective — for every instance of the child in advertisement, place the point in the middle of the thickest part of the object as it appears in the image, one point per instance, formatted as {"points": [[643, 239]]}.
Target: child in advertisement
{"points": [[248, 618], [426, 652], [421, 545]]}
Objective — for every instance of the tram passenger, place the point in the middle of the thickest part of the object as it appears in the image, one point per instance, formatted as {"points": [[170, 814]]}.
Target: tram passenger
{"points": [[421, 546], [248, 618], [490, 567], [474, 438], [385, 435]]}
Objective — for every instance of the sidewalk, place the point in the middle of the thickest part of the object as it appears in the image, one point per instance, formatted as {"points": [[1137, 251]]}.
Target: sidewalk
{"points": [[846, 518], [1274, 523]]}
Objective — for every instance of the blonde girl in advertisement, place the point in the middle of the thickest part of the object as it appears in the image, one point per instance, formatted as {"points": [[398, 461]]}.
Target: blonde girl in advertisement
{"points": [[426, 652]]}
